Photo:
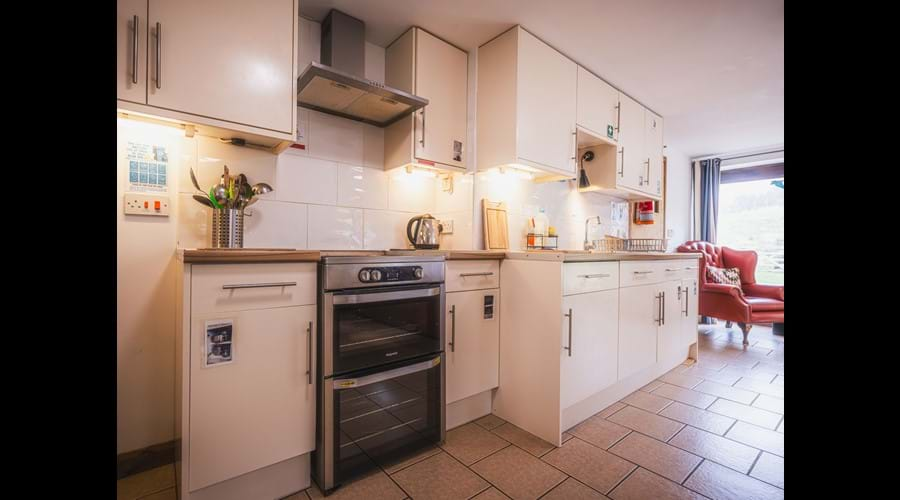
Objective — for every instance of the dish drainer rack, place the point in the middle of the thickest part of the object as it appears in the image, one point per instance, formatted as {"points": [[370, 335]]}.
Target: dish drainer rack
{"points": [[632, 245], [541, 242]]}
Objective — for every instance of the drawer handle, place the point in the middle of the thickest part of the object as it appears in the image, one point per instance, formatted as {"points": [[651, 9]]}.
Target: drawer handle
{"points": [[466, 275], [671, 270], [570, 333], [593, 276], [259, 285], [453, 328], [690, 268], [642, 272]]}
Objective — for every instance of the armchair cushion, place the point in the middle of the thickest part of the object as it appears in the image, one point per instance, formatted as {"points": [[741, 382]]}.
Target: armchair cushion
{"points": [[768, 291], [764, 304], [729, 276], [723, 289]]}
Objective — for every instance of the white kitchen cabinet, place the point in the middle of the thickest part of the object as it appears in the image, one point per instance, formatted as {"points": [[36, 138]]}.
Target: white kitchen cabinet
{"points": [[632, 167], [131, 50], [472, 342], [689, 295], [424, 65], [526, 105], [653, 150], [639, 311], [597, 106], [670, 322], [212, 63], [588, 361]]}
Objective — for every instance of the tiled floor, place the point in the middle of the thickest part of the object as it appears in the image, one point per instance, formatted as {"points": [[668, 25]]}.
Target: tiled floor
{"points": [[712, 430]]}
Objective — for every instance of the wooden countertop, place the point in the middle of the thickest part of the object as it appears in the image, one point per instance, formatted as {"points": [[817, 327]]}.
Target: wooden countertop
{"points": [[453, 254], [238, 255], [585, 256]]}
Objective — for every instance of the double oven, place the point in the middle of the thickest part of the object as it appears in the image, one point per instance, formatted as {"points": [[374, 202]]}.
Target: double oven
{"points": [[381, 363]]}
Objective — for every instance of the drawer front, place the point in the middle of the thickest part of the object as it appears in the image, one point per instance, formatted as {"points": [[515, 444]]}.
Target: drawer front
{"points": [[583, 277], [643, 272], [690, 269], [241, 287], [472, 275]]}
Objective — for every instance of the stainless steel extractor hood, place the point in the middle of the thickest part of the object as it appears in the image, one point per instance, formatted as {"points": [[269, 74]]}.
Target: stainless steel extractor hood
{"points": [[336, 86]]}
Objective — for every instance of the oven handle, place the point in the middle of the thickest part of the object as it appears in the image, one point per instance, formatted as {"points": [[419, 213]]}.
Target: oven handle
{"points": [[346, 383], [362, 298]]}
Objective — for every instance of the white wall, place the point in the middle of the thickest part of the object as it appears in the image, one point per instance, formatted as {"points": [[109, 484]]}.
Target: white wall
{"points": [[678, 194]]}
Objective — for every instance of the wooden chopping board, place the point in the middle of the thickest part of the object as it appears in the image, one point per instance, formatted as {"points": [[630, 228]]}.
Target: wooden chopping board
{"points": [[496, 229]]}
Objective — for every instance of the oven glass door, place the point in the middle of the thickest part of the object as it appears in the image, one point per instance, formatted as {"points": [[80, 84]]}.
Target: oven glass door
{"points": [[376, 326], [382, 418]]}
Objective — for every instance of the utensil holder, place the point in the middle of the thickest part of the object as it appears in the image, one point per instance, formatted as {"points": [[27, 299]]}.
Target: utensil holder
{"points": [[228, 228]]}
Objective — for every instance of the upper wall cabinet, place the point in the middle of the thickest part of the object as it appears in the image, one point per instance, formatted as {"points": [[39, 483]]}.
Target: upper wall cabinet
{"points": [[210, 62], [653, 149], [632, 165], [597, 106], [424, 65], [526, 105]]}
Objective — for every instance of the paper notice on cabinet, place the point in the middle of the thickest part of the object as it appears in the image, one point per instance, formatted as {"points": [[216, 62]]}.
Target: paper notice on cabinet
{"points": [[148, 167], [218, 345]]}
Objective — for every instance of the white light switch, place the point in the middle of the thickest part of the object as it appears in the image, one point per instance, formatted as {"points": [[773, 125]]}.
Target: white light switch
{"points": [[146, 204]]}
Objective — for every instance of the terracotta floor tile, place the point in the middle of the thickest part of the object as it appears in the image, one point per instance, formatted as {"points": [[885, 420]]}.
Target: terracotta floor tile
{"points": [[566, 436], [779, 380], [746, 413], [145, 483], [647, 401], [661, 458], [609, 410], [439, 477], [646, 423], [374, 485], [643, 484], [518, 474], [490, 494], [781, 426], [770, 367], [716, 481], [770, 403], [681, 380], [572, 489], [490, 421], [300, 495], [769, 468], [418, 457], [709, 364], [686, 396], [716, 448], [713, 375], [703, 419], [168, 494], [757, 437], [652, 385], [592, 466], [599, 432], [761, 374], [727, 392], [470, 443], [523, 439], [761, 387]]}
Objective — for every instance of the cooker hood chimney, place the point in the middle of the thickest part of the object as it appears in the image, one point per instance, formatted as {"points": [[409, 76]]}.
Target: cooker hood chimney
{"points": [[337, 86]]}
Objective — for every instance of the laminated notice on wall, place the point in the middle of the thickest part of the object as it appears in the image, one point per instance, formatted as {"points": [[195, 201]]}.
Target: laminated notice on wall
{"points": [[147, 167], [618, 216], [219, 348]]}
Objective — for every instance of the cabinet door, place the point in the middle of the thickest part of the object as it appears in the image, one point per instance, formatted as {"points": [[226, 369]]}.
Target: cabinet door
{"points": [[472, 342], [653, 147], [590, 363], [671, 330], [545, 120], [689, 326], [632, 167], [597, 105], [638, 313], [259, 409], [222, 59], [131, 50], [441, 75]]}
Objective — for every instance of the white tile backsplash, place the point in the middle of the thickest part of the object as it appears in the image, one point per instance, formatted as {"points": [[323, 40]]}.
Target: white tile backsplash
{"points": [[385, 229], [362, 187], [275, 224], [193, 222], [335, 138], [304, 179], [373, 144], [410, 192], [213, 155], [335, 228]]}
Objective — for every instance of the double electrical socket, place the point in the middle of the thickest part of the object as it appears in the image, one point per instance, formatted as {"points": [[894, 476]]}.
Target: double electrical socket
{"points": [[446, 226]]}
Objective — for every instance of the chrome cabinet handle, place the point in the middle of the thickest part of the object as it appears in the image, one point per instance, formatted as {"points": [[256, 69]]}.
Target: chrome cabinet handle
{"points": [[574, 144], [658, 310], [622, 172], [259, 285], [422, 141], [689, 268], [648, 171], [642, 272], [453, 328], [134, 51], [309, 354], [589, 276], [662, 302], [158, 55], [466, 275], [672, 270], [570, 333], [679, 292], [686, 299], [618, 115]]}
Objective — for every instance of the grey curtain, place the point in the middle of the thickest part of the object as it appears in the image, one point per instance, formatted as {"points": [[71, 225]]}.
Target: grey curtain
{"points": [[709, 198]]}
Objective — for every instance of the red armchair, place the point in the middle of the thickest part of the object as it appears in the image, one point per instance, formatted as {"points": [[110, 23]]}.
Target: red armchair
{"points": [[752, 302]]}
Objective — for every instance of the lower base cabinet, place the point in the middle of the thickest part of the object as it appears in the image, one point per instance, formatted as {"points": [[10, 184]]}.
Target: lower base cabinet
{"points": [[638, 314], [472, 347], [588, 361]]}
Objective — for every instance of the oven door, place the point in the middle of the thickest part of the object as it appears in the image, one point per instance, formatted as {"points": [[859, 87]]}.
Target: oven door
{"points": [[379, 418], [371, 327]]}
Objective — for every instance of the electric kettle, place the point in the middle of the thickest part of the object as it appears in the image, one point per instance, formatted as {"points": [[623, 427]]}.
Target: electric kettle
{"points": [[425, 234]]}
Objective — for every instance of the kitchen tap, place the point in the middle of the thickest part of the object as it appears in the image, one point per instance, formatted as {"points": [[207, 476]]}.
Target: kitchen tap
{"points": [[593, 245]]}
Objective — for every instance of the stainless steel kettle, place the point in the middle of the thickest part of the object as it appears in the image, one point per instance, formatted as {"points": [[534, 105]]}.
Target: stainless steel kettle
{"points": [[425, 234]]}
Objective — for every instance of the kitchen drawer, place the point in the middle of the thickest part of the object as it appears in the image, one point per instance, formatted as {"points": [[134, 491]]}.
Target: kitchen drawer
{"points": [[673, 270], [472, 275], [241, 287], [583, 277], [643, 272]]}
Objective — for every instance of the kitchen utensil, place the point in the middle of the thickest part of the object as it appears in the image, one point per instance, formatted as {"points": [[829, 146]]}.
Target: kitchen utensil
{"points": [[261, 188], [204, 200], [228, 228], [220, 194], [425, 235], [194, 180], [496, 228], [212, 197]]}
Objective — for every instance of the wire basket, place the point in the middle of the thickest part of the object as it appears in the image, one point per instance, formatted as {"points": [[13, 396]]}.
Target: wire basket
{"points": [[541, 242], [610, 245], [228, 228]]}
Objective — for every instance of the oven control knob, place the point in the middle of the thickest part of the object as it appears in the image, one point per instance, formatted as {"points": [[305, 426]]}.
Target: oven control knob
{"points": [[418, 273], [376, 275], [364, 275]]}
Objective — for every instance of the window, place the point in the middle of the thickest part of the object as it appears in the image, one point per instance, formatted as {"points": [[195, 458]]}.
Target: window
{"points": [[751, 217]]}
